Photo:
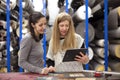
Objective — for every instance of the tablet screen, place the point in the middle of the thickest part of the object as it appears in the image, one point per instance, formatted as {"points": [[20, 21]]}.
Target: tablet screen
{"points": [[71, 53]]}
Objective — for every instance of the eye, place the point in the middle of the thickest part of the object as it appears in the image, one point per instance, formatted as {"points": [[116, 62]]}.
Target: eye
{"points": [[61, 25], [67, 25], [40, 25], [45, 23]]}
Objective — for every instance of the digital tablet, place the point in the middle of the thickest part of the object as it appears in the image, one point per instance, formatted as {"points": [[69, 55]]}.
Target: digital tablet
{"points": [[71, 53]]}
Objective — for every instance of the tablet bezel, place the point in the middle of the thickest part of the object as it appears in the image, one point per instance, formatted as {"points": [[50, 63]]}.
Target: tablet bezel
{"points": [[71, 53]]}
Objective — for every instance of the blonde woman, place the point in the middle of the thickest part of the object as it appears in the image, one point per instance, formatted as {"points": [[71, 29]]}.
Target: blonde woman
{"points": [[64, 38]]}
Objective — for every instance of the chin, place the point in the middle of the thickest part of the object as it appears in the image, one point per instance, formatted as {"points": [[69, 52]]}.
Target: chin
{"points": [[42, 33], [63, 34]]}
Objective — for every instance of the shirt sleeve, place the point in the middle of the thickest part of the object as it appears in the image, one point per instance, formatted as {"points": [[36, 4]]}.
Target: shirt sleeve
{"points": [[25, 48], [80, 41], [50, 62], [50, 52]]}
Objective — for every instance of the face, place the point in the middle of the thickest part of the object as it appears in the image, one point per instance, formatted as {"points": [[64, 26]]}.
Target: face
{"points": [[40, 26], [63, 27]]}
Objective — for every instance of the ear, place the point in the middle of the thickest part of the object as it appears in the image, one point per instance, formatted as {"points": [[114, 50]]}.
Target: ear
{"points": [[32, 25]]}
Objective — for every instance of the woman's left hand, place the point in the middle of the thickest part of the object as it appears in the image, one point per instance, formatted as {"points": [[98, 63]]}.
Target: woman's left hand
{"points": [[83, 58], [51, 69]]}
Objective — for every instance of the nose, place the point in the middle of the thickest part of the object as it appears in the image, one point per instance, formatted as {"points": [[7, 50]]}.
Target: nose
{"points": [[64, 27], [44, 26]]}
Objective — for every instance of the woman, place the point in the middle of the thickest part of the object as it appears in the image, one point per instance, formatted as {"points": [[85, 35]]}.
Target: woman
{"points": [[31, 50], [63, 38]]}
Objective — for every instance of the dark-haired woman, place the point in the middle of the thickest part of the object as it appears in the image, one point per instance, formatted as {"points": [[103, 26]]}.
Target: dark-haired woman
{"points": [[31, 50]]}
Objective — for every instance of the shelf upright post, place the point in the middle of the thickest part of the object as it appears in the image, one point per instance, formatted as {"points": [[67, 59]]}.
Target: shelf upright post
{"points": [[20, 31], [66, 7], [44, 35], [8, 35], [86, 31], [106, 34]]}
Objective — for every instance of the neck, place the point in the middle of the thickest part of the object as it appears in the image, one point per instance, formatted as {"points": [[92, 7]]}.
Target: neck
{"points": [[36, 34], [61, 38]]}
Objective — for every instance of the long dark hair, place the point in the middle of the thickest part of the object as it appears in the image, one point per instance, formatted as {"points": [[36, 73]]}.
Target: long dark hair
{"points": [[33, 18]]}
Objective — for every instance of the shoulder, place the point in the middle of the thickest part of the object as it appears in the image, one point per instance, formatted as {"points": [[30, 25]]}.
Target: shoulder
{"points": [[77, 36], [26, 41], [79, 40], [27, 38]]}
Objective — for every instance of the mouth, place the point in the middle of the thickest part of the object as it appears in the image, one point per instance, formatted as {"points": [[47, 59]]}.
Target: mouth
{"points": [[41, 31], [63, 33]]}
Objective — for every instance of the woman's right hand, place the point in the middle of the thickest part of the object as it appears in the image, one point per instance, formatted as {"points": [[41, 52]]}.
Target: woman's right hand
{"points": [[45, 70]]}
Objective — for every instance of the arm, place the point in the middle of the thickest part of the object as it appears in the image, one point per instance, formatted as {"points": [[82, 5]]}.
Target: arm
{"points": [[50, 60], [84, 59], [25, 49]]}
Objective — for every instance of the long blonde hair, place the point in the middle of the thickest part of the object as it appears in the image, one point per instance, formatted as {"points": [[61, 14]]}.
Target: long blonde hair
{"points": [[69, 41]]}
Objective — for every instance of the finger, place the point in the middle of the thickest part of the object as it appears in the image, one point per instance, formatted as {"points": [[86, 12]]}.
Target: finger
{"points": [[45, 71], [51, 69], [77, 56], [42, 72], [82, 54], [79, 60]]}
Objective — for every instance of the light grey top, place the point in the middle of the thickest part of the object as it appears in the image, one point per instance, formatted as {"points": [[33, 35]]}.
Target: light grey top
{"points": [[31, 54], [65, 66]]}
